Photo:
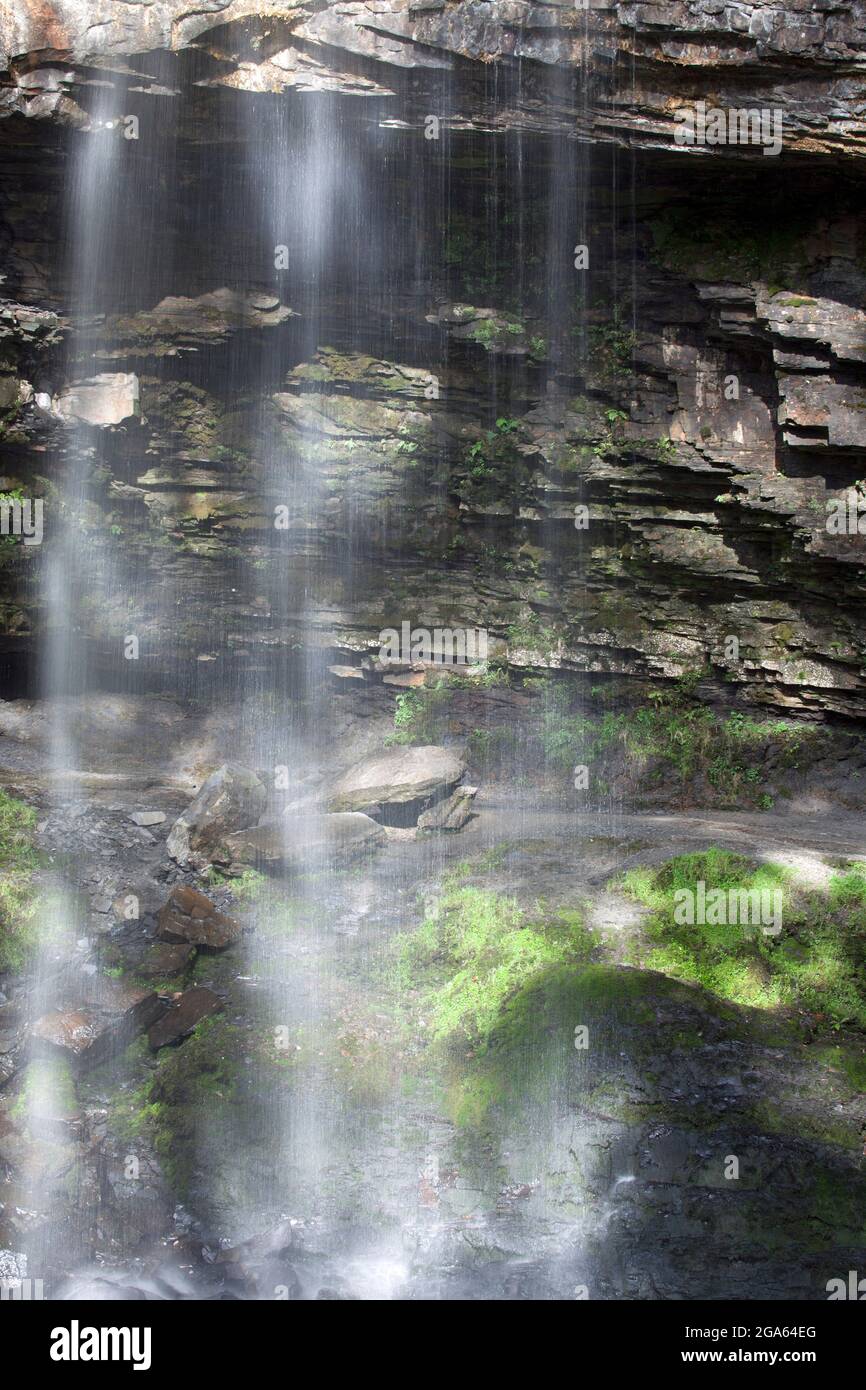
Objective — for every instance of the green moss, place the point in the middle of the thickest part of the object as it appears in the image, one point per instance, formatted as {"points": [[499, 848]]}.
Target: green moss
{"points": [[816, 963], [611, 346], [421, 715], [476, 952], [424, 714], [849, 1060], [46, 1089], [790, 1121], [250, 886], [193, 1090], [494, 469], [531, 634], [529, 1059], [848, 889], [20, 909]]}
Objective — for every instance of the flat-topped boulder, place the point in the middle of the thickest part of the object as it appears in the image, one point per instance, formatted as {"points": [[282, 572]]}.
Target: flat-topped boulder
{"points": [[190, 918], [399, 783]]}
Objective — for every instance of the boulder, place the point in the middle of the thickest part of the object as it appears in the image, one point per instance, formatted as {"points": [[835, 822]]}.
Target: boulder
{"points": [[162, 960], [300, 840], [101, 1023], [261, 1263], [450, 814], [145, 818], [398, 784], [106, 399], [181, 1017], [231, 799], [277, 1240], [191, 918]]}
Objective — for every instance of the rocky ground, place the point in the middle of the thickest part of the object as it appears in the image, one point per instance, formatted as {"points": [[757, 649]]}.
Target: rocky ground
{"points": [[258, 1103]]}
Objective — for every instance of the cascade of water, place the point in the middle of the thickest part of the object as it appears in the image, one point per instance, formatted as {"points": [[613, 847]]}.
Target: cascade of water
{"points": [[71, 575], [348, 220], [86, 578]]}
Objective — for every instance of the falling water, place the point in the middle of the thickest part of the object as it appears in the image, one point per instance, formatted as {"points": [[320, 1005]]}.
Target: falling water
{"points": [[106, 218], [347, 222], [73, 574]]}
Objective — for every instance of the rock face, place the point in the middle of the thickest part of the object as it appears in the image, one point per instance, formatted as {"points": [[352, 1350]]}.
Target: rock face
{"points": [[231, 799], [439, 426], [260, 1262], [190, 918], [707, 426], [648, 56], [401, 779], [182, 1016], [102, 1024]]}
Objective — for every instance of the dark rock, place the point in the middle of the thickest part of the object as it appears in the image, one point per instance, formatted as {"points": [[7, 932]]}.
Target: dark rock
{"points": [[102, 1023], [182, 1016], [189, 917], [163, 960]]}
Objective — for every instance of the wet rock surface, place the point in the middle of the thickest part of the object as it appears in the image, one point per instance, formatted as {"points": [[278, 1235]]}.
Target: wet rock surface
{"points": [[302, 839], [184, 1012], [103, 1023], [164, 960], [232, 798], [753, 51], [192, 919], [612, 1168], [450, 814]]}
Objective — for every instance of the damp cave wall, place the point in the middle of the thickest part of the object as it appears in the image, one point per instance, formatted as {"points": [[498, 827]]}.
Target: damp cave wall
{"points": [[453, 263]]}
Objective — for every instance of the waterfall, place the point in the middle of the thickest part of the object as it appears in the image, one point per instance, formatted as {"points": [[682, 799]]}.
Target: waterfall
{"points": [[108, 260], [73, 573], [346, 235]]}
